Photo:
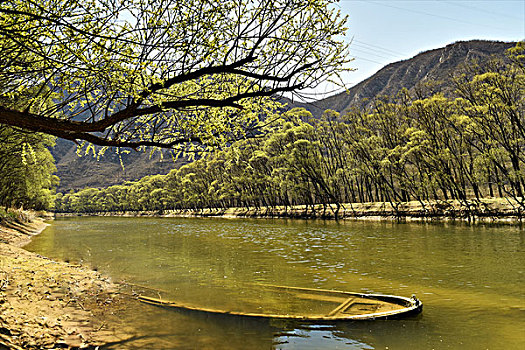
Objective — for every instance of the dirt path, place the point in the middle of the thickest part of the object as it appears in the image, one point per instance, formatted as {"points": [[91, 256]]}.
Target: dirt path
{"points": [[47, 304]]}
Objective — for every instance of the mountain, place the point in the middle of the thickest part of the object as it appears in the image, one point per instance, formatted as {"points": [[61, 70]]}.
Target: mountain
{"points": [[436, 66], [80, 172]]}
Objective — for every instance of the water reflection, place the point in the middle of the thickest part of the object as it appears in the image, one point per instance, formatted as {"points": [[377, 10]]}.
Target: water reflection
{"points": [[470, 278], [197, 330]]}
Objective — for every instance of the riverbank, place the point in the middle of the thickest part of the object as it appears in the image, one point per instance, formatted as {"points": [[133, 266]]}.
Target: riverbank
{"points": [[48, 304], [501, 210]]}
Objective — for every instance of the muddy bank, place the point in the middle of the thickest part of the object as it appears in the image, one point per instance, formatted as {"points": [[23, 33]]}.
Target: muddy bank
{"points": [[501, 210], [47, 304]]}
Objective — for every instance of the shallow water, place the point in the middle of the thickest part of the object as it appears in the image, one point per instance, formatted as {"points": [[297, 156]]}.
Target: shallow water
{"points": [[471, 279]]}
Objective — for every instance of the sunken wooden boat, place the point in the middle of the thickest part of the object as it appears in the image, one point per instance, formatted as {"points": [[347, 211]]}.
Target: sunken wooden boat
{"points": [[334, 306]]}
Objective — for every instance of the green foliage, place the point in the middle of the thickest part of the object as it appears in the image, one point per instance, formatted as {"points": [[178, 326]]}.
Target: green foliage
{"points": [[26, 168], [164, 73], [26, 164], [470, 145]]}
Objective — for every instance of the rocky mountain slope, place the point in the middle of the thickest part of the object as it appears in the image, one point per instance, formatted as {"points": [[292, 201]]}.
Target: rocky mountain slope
{"points": [[435, 65]]}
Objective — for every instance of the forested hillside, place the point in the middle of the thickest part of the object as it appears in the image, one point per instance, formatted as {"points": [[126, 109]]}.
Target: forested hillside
{"points": [[468, 144], [434, 68]]}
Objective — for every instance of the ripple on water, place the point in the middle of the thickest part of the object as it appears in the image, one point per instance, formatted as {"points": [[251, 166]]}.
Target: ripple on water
{"points": [[470, 278]]}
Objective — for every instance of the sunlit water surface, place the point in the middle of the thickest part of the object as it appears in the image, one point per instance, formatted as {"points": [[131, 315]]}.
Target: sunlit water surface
{"points": [[470, 278]]}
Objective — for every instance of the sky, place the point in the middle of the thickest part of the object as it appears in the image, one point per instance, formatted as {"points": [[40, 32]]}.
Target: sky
{"points": [[383, 32]]}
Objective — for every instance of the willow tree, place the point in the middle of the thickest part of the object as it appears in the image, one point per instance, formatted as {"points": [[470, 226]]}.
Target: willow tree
{"points": [[27, 168], [132, 73]]}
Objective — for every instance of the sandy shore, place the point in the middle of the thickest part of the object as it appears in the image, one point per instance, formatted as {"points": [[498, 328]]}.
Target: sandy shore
{"points": [[486, 210], [47, 304]]}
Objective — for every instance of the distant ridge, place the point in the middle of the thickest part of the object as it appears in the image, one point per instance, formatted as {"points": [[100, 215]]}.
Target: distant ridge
{"points": [[433, 65]]}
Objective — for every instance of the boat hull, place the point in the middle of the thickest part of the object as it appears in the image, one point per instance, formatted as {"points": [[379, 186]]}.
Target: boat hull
{"points": [[354, 307]]}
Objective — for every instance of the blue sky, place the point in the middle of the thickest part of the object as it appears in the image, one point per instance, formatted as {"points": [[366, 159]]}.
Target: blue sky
{"points": [[389, 31]]}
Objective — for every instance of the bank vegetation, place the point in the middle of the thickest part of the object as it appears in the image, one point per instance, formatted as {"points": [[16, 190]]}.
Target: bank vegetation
{"points": [[462, 147]]}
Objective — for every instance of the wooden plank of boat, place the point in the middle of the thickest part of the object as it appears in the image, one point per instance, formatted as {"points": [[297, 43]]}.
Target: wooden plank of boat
{"points": [[356, 306]]}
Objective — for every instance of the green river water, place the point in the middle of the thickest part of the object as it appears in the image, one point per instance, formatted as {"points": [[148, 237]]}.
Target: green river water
{"points": [[471, 279]]}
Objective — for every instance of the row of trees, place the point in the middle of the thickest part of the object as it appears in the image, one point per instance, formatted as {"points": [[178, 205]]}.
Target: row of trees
{"points": [[173, 74], [470, 145]]}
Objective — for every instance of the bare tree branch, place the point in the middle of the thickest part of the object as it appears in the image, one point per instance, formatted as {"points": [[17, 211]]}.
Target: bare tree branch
{"points": [[160, 73]]}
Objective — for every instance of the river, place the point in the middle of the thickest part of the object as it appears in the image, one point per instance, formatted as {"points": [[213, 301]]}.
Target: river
{"points": [[470, 278]]}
